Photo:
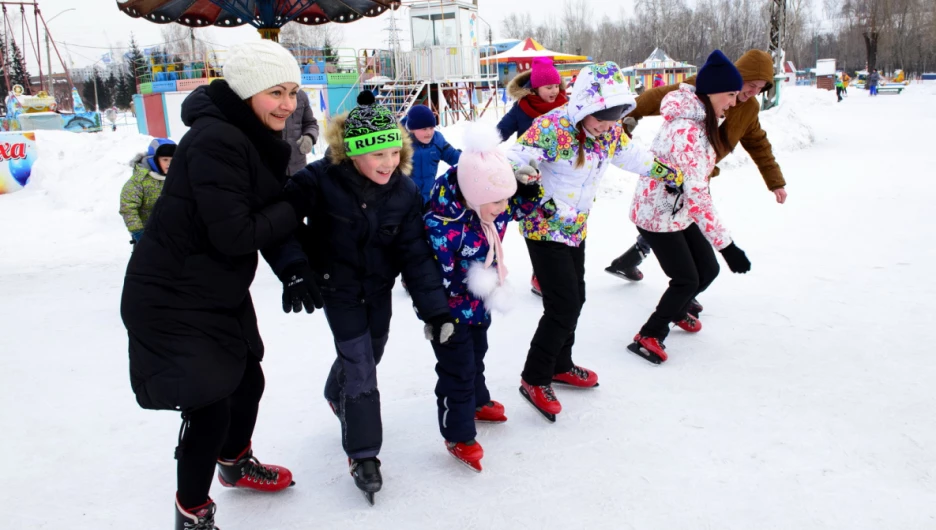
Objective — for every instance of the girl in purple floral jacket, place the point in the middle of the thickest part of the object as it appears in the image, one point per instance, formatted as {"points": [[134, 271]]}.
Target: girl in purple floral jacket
{"points": [[469, 209]]}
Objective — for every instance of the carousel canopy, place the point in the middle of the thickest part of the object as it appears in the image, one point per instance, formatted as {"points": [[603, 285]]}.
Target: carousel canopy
{"points": [[262, 14], [528, 49]]}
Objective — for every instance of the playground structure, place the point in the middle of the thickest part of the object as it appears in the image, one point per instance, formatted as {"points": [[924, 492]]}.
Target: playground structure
{"points": [[443, 70], [24, 112], [519, 58], [658, 64], [268, 16]]}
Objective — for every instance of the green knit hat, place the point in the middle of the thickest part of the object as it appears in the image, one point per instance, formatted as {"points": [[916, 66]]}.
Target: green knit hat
{"points": [[370, 127]]}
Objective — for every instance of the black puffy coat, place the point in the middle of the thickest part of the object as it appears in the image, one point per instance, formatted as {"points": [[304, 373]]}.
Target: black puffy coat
{"points": [[360, 236], [186, 300]]}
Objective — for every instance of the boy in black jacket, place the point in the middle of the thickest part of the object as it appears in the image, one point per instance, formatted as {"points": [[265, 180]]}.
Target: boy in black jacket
{"points": [[364, 227]]}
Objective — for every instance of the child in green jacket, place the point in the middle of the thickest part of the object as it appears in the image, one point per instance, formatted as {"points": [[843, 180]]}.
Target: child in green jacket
{"points": [[139, 194]]}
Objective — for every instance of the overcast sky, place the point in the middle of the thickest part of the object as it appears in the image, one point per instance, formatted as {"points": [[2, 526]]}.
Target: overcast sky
{"points": [[86, 33]]}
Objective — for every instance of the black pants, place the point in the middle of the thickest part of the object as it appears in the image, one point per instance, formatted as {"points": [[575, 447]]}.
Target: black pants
{"points": [[689, 261], [460, 388], [361, 330], [560, 270], [220, 430], [838, 92]]}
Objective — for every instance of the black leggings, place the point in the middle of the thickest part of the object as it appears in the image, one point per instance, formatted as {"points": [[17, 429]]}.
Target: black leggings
{"points": [[689, 261], [560, 270], [220, 430]]}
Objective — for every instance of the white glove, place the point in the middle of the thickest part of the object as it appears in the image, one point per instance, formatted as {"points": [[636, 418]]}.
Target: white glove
{"points": [[528, 174], [305, 144]]}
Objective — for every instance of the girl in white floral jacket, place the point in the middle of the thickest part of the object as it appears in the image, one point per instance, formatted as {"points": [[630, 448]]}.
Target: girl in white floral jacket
{"points": [[572, 147], [679, 220]]}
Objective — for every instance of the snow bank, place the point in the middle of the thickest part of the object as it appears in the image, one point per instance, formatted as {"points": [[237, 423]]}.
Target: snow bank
{"points": [[71, 201]]}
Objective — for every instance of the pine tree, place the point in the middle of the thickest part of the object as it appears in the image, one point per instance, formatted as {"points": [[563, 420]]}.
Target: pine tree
{"points": [[105, 96], [4, 67], [328, 51], [134, 60], [124, 97], [112, 89], [18, 73], [87, 92]]}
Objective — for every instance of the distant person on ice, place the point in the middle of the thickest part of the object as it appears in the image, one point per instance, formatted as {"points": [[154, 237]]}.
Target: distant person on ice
{"points": [[679, 221], [873, 80], [302, 132], [429, 148], [139, 194], [194, 342], [573, 146], [364, 229], [741, 125], [468, 215]]}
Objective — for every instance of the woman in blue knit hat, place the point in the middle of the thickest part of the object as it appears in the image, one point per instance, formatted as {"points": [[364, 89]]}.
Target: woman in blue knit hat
{"points": [[678, 219]]}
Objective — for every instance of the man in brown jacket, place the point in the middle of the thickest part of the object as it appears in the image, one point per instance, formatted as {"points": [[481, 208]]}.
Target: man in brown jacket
{"points": [[741, 124]]}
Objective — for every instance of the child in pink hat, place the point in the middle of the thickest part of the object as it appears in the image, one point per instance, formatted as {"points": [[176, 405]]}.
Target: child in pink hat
{"points": [[469, 209], [536, 91]]}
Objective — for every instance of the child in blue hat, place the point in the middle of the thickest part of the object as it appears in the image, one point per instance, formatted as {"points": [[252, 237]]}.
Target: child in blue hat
{"points": [[430, 147], [139, 194]]}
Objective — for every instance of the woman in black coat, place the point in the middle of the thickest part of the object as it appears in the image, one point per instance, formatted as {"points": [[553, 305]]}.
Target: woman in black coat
{"points": [[194, 342]]}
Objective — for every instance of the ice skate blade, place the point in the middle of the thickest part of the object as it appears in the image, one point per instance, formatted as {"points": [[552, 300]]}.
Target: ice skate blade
{"points": [[550, 417], [621, 275], [537, 293], [369, 497], [644, 354], [474, 466], [494, 422]]}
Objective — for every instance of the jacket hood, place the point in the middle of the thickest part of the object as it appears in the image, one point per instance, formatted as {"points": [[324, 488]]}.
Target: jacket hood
{"points": [[139, 160], [198, 104], [334, 135], [682, 104], [756, 65], [519, 87], [598, 87], [446, 203]]}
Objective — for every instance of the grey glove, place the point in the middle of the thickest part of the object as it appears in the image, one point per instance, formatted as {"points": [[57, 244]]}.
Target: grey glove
{"points": [[629, 125], [305, 144], [529, 173], [439, 328]]}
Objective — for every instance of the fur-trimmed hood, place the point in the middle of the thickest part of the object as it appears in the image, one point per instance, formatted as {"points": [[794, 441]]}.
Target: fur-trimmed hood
{"points": [[518, 87], [337, 153], [140, 160]]}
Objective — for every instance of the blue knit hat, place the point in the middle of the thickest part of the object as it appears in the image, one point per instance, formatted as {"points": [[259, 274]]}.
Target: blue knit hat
{"points": [[717, 75], [420, 117]]}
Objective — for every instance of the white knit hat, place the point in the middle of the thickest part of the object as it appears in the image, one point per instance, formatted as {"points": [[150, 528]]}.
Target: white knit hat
{"points": [[253, 67]]}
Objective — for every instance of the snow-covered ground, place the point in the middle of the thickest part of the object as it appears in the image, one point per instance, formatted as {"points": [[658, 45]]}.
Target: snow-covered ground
{"points": [[803, 404]]}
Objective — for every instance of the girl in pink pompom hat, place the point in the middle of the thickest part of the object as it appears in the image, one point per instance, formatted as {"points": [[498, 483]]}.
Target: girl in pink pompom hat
{"points": [[536, 91], [469, 209]]}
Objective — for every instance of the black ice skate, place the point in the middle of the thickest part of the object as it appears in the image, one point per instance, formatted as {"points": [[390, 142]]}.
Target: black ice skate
{"points": [[366, 473]]}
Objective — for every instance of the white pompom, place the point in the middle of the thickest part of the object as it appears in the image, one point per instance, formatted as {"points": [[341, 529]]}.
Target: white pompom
{"points": [[480, 137], [502, 299], [481, 281]]}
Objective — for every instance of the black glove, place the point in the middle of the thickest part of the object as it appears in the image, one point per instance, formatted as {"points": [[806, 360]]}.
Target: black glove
{"points": [[440, 328], [736, 259], [300, 289]]}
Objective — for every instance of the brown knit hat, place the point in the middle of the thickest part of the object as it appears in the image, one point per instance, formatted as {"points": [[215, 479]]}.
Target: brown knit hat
{"points": [[756, 65]]}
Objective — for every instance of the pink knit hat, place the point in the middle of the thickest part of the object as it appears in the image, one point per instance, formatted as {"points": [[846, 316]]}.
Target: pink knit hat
{"points": [[484, 176], [543, 73]]}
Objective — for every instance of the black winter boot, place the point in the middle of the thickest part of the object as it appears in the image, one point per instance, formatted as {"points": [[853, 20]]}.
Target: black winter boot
{"points": [[199, 518], [625, 266]]}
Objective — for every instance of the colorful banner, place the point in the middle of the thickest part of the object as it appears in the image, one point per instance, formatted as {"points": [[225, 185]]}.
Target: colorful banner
{"points": [[17, 155]]}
